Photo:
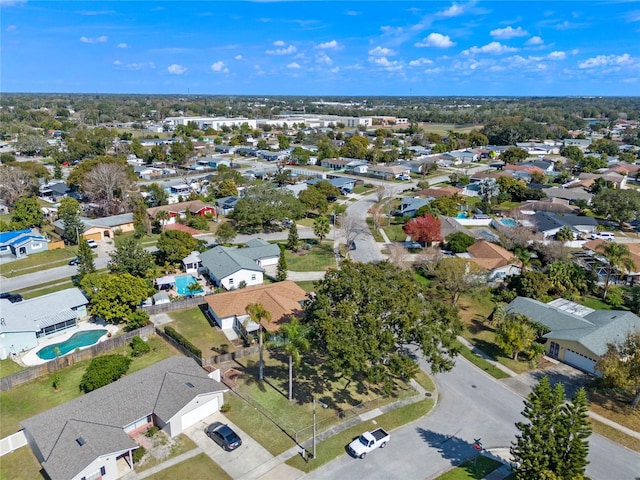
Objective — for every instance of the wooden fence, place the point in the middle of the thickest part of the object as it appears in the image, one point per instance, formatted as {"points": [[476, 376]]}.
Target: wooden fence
{"points": [[51, 366], [210, 361], [175, 305]]}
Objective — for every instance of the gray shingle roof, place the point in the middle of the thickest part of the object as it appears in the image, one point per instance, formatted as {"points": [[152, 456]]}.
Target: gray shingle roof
{"points": [[99, 417], [548, 220], [593, 331], [258, 248], [222, 262]]}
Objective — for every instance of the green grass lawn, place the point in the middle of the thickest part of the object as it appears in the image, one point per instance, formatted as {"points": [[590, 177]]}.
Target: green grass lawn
{"points": [[319, 258], [200, 466], [193, 324], [395, 232], [21, 464], [478, 468], [37, 396], [312, 380], [38, 261], [334, 446], [9, 367], [480, 362], [43, 289], [593, 302], [374, 231], [307, 285]]}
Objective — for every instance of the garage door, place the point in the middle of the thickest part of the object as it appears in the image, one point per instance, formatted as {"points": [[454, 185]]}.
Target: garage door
{"points": [[579, 361], [202, 411]]}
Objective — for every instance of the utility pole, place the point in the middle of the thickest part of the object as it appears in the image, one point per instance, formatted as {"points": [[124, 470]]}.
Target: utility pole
{"points": [[314, 428]]}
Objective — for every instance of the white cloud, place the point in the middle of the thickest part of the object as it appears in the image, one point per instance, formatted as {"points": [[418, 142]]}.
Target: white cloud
{"points": [[534, 41], [331, 44], [279, 43], [323, 58], [335, 70], [352, 13], [100, 39], [122, 45], [176, 69], [117, 62], [493, 48], [135, 66], [238, 57], [294, 65], [385, 63], [11, 3], [258, 70], [575, 51], [436, 40], [11, 28], [508, 32], [557, 55], [453, 11], [606, 61], [420, 61], [282, 51], [381, 51], [219, 67]]}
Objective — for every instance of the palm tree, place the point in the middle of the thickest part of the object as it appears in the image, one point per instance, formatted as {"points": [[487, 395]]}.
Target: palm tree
{"points": [[257, 312], [618, 258], [293, 337], [163, 216], [321, 227]]}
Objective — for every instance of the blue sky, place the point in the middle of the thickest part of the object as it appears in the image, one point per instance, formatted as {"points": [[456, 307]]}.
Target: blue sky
{"points": [[322, 48]]}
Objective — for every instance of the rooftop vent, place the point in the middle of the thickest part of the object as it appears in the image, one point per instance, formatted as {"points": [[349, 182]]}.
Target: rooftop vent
{"points": [[80, 441]]}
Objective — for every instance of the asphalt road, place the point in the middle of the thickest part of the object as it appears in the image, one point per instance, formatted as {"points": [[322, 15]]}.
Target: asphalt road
{"points": [[471, 405]]}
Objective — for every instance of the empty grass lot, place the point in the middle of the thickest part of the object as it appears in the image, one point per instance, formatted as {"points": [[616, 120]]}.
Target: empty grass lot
{"points": [[193, 324], [319, 258], [34, 397], [277, 428], [200, 466]]}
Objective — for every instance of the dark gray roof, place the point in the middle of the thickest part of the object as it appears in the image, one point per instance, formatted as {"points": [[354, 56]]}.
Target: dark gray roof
{"points": [[223, 261], [257, 248], [593, 330], [99, 417], [548, 220]]}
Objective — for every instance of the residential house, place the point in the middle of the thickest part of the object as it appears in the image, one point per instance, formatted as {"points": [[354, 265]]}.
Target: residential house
{"points": [[179, 210], [54, 191], [214, 162], [192, 263], [570, 193], [410, 205], [592, 258], [582, 143], [547, 167], [101, 228], [230, 269], [261, 252], [91, 437], [344, 184], [578, 335], [619, 180], [389, 171], [437, 192], [418, 166], [22, 243], [460, 156], [23, 323], [556, 205], [335, 163], [498, 261], [523, 171], [180, 189], [550, 223], [540, 148], [282, 300], [226, 205]]}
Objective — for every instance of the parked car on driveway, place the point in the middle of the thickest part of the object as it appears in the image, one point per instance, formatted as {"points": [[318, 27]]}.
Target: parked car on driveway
{"points": [[73, 261], [92, 243], [223, 435]]}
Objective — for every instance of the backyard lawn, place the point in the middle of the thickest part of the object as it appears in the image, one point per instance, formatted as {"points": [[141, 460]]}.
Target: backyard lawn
{"points": [[34, 397], [319, 258], [21, 464], [9, 367], [193, 324], [200, 466], [336, 400]]}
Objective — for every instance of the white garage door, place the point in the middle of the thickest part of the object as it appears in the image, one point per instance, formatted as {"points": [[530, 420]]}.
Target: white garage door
{"points": [[579, 361], [203, 411]]}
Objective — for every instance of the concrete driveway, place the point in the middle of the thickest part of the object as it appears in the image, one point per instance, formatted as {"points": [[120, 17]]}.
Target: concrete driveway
{"points": [[246, 462]]}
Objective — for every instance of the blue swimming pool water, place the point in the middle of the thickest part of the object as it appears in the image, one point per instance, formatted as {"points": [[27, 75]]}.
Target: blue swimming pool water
{"points": [[183, 281], [461, 215], [77, 340], [508, 222]]}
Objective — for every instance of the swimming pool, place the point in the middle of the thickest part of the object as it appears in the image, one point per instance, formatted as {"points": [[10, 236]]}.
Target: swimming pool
{"points": [[183, 282], [77, 340], [461, 215], [508, 222]]}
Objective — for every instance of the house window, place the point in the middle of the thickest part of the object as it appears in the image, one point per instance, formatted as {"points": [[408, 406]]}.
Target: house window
{"points": [[95, 475], [36, 246], [231, 281], [253, 276]]}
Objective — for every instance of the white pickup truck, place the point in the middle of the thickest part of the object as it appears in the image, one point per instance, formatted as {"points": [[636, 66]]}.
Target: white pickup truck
{"points": [[368, 441]]}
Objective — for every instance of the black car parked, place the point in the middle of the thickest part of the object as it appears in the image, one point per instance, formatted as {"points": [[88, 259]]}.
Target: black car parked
{"points": [[12, 297], [223, 435]]}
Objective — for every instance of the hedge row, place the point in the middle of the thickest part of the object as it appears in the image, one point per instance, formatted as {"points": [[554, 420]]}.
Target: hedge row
{"points": [[183, 341]]}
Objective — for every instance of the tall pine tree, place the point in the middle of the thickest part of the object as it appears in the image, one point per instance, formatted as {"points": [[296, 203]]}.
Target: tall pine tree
{"points": [[553, 443], [85, 259], [293, 241], [281, 273]]}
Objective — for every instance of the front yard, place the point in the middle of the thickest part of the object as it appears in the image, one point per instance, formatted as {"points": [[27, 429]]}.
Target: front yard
{"points": [[38, 261], [319, 257], [200, 466]]}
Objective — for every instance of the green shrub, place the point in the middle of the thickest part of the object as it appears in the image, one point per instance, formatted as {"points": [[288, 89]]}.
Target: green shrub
{"points": [[55, 381], [225, 408], [137, 319], [151, 432], [138, 453], [170, 331], [138, 347], [103, 370]]}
